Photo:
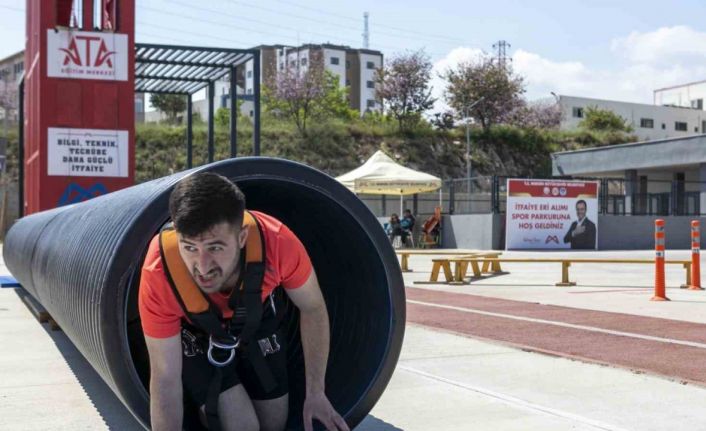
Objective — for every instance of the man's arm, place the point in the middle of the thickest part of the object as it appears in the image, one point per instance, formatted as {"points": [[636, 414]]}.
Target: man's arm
{"points": [[166, 402], [569, 234], [315, 341]]}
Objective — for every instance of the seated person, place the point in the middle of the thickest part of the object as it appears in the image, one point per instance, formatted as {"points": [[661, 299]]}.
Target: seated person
{"points": [[432, 227], [407, 225], [393, 228]]}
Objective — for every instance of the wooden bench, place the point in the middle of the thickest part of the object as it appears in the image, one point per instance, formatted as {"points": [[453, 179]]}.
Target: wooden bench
{"points": [[459, 274], [404, 255], [461, 264]]}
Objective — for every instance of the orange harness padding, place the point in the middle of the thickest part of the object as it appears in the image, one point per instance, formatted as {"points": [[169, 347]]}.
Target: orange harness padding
{"points": [[192, 298], [244, 329]]}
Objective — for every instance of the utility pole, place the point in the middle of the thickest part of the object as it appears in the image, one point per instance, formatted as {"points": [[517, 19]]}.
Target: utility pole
{"points": [[467, 109], [366, 31]]}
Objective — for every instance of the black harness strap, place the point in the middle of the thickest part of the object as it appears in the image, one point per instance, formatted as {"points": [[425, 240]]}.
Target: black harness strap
{"points": [[246, 303]]}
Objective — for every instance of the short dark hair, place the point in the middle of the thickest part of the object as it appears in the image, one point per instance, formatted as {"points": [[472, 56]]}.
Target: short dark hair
{"points": [[408, 211], [581, 201], [201, 201]]}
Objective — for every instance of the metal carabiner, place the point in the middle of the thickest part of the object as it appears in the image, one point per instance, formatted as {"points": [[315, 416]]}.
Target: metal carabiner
{"points": [[272, 303], [212, 343]]}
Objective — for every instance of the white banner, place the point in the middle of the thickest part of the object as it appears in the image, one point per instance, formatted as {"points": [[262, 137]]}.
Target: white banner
{"points": [[88, 152], [87, 55], [551, 214]]}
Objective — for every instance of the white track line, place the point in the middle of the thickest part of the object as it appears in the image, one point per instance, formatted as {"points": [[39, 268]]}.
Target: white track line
{"points": [[516, 402], [562, 324]]}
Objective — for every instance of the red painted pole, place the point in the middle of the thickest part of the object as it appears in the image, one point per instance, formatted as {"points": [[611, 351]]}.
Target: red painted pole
{"points": [[660, 291], [695, 256]]}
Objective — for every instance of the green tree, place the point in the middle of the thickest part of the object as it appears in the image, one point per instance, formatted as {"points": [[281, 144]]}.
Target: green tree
{"points": [[494, 84], [222, 117], [170, 104], [603, 120]]}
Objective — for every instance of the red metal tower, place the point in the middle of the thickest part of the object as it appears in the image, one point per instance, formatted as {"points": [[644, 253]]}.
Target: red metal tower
{"points": [[79, 101]]}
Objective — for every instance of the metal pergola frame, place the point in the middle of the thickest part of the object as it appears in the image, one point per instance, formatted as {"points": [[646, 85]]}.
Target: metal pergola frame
{"points": [[178, 69]]}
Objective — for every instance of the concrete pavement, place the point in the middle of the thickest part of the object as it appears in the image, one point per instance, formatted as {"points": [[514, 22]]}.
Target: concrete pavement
{"points": [[443, 381]]}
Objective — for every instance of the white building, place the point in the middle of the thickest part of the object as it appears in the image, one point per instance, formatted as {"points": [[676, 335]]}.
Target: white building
{"points": [[355, 69], [649, 122]]}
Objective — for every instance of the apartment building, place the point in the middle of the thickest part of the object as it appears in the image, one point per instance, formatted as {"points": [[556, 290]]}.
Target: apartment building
{"points": [[355, 69], [649, 122]]}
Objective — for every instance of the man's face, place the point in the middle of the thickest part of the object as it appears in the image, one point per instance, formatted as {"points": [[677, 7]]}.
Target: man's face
{"points": [[212, 257], [580, 210]]}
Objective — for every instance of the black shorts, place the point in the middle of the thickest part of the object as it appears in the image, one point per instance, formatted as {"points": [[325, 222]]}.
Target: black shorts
{"points": [[197, 371]]}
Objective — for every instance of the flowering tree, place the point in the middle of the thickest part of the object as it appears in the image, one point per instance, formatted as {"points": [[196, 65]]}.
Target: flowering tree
{"points": [[496, 84], [9, 99], [540, 115], [403, 87], [304, 94]]}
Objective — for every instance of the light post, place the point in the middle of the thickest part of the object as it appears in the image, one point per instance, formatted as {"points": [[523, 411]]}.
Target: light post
{"points": [[468, 148]]}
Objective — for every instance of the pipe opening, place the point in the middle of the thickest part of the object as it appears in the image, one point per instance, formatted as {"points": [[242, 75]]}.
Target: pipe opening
{"points": [[353, 278]]}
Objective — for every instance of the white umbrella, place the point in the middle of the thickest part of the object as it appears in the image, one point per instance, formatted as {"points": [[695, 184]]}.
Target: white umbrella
{"points": [[382, 175]]}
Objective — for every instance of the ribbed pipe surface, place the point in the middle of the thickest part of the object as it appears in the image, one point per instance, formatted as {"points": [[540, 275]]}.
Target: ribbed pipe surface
{"points": [[82, 263]]}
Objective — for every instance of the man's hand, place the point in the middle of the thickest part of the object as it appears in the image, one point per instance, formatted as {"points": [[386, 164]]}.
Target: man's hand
{"points": [[317, 406], [315, 342], [579, 230], [166, 402]]}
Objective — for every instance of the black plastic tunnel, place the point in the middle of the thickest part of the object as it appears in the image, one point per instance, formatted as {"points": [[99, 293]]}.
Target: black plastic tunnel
{"points": [[82, 263]]}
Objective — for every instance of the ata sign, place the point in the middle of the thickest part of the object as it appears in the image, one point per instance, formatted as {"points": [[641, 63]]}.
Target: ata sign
{"points": [[87, 152], [86, 55]]}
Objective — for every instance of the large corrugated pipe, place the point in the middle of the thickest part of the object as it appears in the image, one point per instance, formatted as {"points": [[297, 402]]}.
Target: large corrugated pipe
{"points": [[82, 263]]}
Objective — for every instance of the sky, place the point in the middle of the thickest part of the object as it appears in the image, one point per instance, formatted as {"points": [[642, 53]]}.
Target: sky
{"points": [[618, 50]]}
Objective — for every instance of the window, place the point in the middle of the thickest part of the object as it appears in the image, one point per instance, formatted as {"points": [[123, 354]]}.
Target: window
{"points": [[577, 112], [664, 126], [18, 68], [335, 60], [697, 103], [348, 82], [647, 123], [249, 90], [251, 113], [680, 126], [348, 64], [293, 63], [370, 84], [303, 62], [371, 103], [249, 73], [696, 129], [370, 65]]}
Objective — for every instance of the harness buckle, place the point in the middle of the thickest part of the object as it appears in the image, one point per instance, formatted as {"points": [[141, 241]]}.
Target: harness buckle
{"points": [[223, 346], [267, 347]]}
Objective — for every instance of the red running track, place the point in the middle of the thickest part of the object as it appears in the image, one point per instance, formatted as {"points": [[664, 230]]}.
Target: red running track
{"points": [[664, 357]]}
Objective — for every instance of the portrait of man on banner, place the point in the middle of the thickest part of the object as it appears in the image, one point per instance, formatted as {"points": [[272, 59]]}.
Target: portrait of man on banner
{"points": [[582, 232]]}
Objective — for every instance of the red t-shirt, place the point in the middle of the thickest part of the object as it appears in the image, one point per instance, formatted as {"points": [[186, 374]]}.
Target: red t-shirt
{"points": [[287, 264]]}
